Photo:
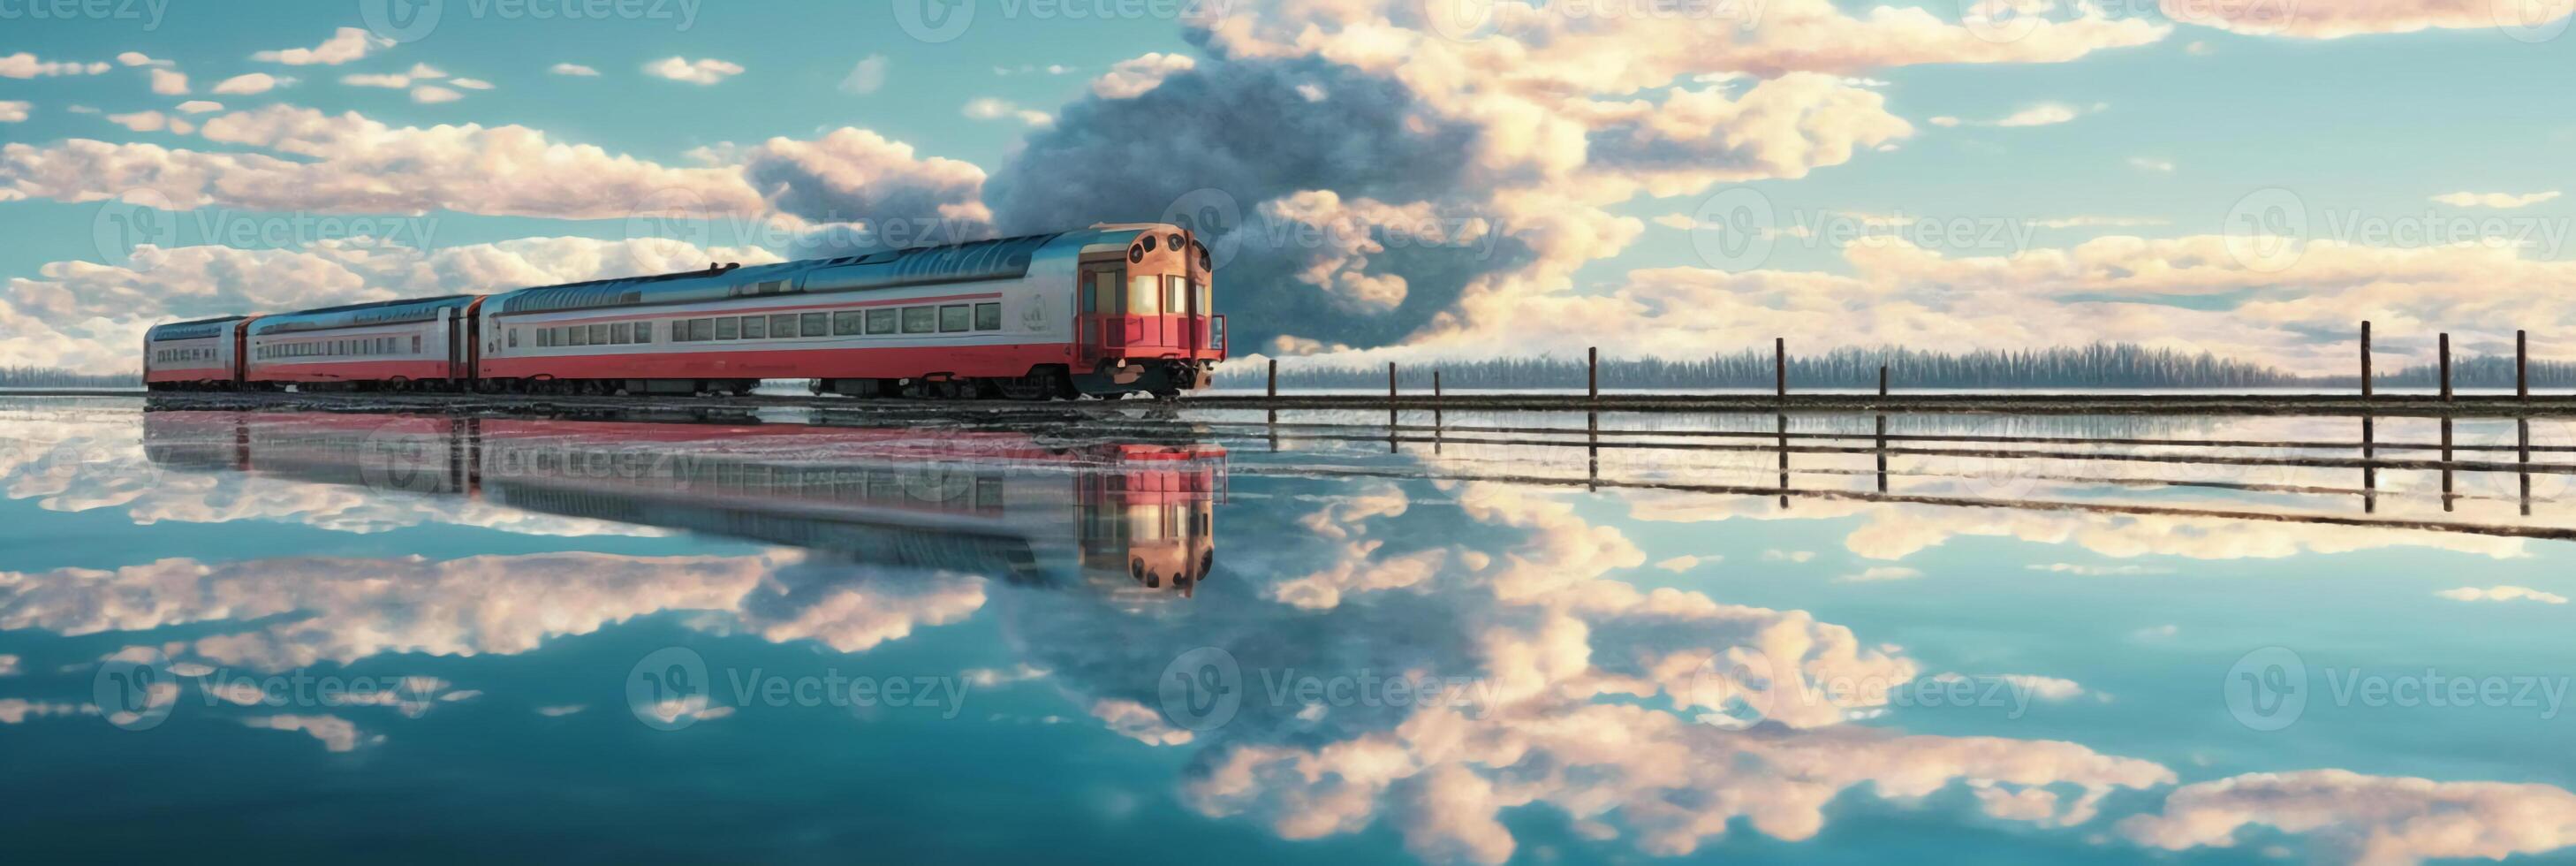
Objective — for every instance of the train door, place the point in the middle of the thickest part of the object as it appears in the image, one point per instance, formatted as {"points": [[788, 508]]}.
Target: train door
{"points": [[1100, 307]]}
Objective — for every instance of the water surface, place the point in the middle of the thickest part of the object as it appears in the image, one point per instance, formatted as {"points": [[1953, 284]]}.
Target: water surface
{"points": [[830, 637]]}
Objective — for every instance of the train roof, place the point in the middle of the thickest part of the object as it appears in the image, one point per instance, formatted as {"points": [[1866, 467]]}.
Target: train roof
{"points": [[189, 330], [355, 315], [997, 259]]}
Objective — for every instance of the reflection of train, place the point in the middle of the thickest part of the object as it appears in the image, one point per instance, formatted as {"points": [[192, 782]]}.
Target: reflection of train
{"points": [[1105, 311], [1136, 517]]}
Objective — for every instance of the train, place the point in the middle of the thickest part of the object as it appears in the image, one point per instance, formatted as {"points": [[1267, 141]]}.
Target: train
{"points": [[1107, 311], [1133, 521]]}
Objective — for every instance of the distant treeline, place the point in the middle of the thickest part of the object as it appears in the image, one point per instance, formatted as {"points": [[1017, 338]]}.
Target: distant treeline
{"points": [[51, 377], [2102, 365]]}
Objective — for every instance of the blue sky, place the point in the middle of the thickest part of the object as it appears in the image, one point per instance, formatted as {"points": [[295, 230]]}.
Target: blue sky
{"points": [[1482, 177]]}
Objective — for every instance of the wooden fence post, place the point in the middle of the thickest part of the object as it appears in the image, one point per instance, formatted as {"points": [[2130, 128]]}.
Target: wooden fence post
{"points": [[1592, 374], [1274, 378], [2446, 368], [2522, 365], [1390, 380], [2365, 359], [1780, 365]]}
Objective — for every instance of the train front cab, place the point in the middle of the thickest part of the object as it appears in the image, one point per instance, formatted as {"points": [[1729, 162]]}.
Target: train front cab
{"points": [[1149, 519], [1145, 317]]}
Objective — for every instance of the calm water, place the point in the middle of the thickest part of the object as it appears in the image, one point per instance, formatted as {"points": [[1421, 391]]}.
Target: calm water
{"points": [[1203, 637]]}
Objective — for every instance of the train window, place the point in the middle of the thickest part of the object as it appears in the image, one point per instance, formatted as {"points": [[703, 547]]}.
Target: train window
{"points": [[1145, 295], [545, 337], [599, 335], [814, 324], [728, 328], [644, 332], [988, 317], [782, 325], [514, 338], [845, 323], [920, 320], [1176, 241], [755, 327], [702, 329], [1176, 295], [881, 321], [1105, 284], [415, 344], [621, 333], [956, 317], [1206, 306], [580, 335]]}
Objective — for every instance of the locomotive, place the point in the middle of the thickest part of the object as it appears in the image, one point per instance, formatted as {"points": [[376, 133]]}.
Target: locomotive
{"points": [[1101, 312]]}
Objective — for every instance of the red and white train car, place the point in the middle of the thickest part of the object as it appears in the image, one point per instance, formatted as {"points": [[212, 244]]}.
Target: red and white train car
{"points": [[391, 344], [201, 355]]}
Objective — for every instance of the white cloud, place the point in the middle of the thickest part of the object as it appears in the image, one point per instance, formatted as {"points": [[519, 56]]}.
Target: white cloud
{"points": [[392, 80], [2377, 820], [431, 94], [1138, 722], [470, 83], [2154, 164], [1880, 573], [9, 665], [169, 82], [2502, 593], [14, 110], [137, 58], [561, 710], [2500, 200], [1679, 564], [152, 121], [572, 69], [337, 734], [990, 108], [251, 84], [702, 71], [866, 77], [2361, 17], [345, 44], [1130, 78], [345, 161], [25, 65], [2043, 114]]}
